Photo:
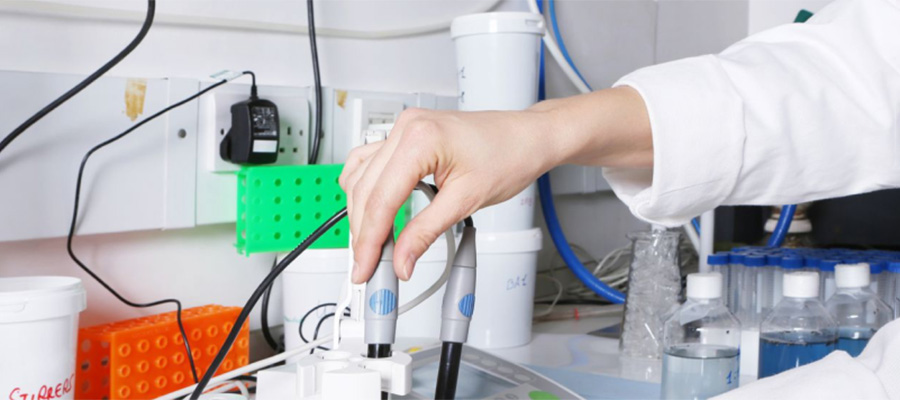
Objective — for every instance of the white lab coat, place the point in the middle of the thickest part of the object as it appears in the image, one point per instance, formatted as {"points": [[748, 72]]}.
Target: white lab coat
{"points": [[797, 113]]}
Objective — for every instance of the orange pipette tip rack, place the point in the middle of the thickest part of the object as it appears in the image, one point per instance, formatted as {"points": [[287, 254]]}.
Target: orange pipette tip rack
{"points": [[145, 358]]}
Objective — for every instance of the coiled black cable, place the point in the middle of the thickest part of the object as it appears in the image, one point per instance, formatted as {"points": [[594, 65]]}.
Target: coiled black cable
{"points": [[148, 22]]}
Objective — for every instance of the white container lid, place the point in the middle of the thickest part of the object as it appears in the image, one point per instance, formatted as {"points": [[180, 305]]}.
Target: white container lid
{"points": [[704, 285], [36, 298], [852, 275], [802, 284], [497, 22]]}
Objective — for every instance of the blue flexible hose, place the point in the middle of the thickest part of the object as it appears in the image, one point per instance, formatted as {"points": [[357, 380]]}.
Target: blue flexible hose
{"points": [[696, 223], [562, 245], [784, 223], [559, 41]]}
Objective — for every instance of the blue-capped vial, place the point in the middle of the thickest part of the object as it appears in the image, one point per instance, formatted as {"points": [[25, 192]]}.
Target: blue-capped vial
{"points": [[826, 278], [876, 269], [719, 262], [891, 295]]}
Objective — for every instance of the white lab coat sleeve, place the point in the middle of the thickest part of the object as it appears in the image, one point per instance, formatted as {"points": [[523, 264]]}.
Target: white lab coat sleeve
{"points": [[797, 113], [871, 376]]}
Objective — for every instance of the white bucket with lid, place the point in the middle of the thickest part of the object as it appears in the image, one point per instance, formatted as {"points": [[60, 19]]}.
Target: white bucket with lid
{"points": [[504, 288], [312, 279], [497, 59], [38, 336]]}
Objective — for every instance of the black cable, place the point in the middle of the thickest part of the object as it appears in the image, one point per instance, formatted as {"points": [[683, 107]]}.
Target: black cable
{"points": [[448, 373], [264, 317], [245, 378], [316, 333], [308, 313], [71, 235], [257, 294], [314, 50], [376, 350], [148, 21]]}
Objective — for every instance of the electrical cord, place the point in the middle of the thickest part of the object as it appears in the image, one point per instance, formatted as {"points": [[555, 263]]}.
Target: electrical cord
{"points": [[264, 317], [148, 22], [72, 226], [257, 294], [314, 51]]}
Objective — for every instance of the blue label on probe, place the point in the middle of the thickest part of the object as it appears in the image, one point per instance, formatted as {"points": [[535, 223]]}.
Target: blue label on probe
{"points": [[383, 302], [467, 305]]}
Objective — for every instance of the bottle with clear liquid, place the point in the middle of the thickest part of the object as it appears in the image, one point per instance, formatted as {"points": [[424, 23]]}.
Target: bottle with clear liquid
{"points": [[799, 330], [858, 311], [701, 356]]}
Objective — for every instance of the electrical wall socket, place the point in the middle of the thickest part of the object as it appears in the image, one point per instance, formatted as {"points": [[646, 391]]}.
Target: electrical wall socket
{"points": [[368, 112], [215, 121]]}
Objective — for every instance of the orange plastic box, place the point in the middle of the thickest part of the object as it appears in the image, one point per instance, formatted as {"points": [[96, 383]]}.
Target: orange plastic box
{"points": [[144, 358]]}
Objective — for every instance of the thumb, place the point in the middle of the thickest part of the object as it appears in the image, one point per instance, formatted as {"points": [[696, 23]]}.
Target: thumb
{"points": [[448, 208]]}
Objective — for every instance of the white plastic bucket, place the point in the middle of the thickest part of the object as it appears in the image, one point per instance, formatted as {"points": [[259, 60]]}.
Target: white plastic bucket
{"points": [[504, 291], [424, 321], [312, 279], [38, 336], [497, 58]]}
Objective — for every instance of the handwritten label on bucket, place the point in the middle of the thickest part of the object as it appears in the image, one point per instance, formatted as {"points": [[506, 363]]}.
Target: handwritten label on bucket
{"points": [[45, 392]]}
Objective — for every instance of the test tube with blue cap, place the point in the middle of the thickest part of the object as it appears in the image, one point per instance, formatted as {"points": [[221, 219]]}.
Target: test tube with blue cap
{"points": [[892, 295], [826, 278], [718, 262], [749, 311], [736, 269], [876, 267]]}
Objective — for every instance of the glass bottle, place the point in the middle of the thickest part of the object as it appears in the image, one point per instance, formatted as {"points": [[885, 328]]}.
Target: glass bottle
{"points": [[858, 311], [701, 356], [799, 330]]}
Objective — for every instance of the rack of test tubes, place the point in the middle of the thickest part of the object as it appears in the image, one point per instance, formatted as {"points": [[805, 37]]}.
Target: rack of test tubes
{"points": [[755, 279]]}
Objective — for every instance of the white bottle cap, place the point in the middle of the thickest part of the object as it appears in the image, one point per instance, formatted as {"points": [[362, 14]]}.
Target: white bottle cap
{"points": [[801, 284], [704, 285], [852, 275]]}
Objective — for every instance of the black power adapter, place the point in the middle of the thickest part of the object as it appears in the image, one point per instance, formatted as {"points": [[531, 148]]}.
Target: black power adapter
{"points": [[254, 134]]}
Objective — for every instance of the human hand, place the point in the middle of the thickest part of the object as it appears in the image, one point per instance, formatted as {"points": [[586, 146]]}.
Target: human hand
{"points": [[477, 158], [480, 159]]}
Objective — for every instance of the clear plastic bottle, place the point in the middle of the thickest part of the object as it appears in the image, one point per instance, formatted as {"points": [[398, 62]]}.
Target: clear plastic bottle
{"points": [[702, 339], [799, 330], [858, 311], [654, 288], [718, 262]]}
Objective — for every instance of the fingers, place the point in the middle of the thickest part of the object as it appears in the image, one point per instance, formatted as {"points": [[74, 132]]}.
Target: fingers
{"points": [[384, 187], [451, 205]]}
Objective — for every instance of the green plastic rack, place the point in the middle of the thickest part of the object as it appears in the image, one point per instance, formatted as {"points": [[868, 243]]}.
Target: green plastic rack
{"points": [[279, 206]]}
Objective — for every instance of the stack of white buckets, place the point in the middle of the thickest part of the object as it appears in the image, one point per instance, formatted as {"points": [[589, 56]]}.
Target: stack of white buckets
{"points": [[497, 59]]}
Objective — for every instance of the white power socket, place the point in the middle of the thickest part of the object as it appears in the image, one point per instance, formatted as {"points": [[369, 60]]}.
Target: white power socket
{"points": [[215, 121], [368, 113]]}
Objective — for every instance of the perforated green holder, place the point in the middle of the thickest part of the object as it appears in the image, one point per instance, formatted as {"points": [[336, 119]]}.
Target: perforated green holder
{"points": [[279, 206]]}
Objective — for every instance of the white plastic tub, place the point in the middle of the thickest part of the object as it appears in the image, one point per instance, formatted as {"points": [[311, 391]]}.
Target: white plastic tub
{"points": [[497, 59], [504, 291], [314, 278], [38, 336]]}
